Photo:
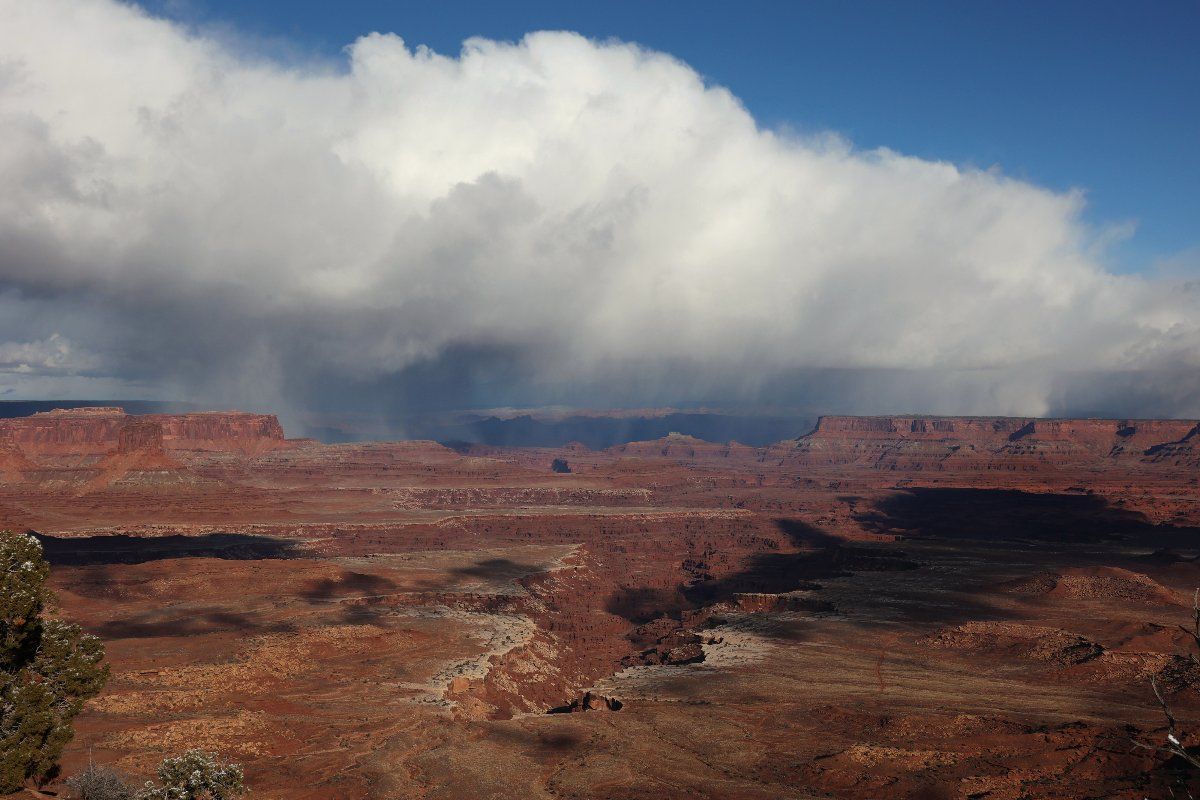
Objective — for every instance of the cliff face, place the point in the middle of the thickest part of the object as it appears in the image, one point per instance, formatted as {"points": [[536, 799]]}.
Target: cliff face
{"points": [[13, 463], [220, 430], [103, 431], [83, 431], [140, 436], [995, 443]]}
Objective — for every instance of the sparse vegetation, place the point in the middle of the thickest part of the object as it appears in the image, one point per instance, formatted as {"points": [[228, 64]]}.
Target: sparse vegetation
{"points": [[48, 668], [560, 465], [196, 775], [1175, 744], [99, 782]]}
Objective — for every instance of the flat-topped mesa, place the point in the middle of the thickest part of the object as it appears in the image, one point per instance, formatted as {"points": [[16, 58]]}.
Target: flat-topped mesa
{"points": [[84, 411], [995, 443], [680, 446], [1006, 428], [66, 431], [221, 430], [105, 430], [916, 427]]}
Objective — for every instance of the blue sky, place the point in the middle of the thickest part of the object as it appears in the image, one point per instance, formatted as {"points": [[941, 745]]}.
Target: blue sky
{"points": [[1102, 96]]}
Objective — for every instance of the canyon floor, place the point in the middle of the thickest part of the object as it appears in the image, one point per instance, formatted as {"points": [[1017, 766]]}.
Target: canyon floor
{"points": [[885, 607]]}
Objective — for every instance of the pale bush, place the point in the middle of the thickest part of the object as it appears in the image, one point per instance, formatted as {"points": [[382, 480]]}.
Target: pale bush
{"points": [[99, 783], [196, 775]]}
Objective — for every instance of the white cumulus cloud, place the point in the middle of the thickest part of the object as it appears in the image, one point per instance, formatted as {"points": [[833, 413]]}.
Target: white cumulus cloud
{"points": [[552, 212]]}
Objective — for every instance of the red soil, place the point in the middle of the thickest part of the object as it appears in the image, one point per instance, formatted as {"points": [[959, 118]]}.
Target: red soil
{"points": [[887, 607]]}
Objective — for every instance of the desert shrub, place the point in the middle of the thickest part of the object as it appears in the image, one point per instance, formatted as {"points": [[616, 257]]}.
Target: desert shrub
{"points": [[560, 465], [1182, 764], [99, 783], [196, 775], [48, 668]]}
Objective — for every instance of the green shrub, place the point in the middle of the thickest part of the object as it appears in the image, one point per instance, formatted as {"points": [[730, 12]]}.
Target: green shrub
{"points": [[48, 668]]}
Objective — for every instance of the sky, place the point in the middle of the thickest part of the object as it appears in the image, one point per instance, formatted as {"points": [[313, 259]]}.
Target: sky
{"points": [[942, 208], [1096, 95]]}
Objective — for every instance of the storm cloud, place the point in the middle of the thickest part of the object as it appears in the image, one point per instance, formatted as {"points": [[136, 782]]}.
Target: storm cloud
{"points": [[547, 220]]}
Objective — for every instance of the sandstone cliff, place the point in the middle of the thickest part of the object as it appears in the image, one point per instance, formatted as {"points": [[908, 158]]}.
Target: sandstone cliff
{"points": [[13, 462], [104, 431], [80, 431], [220, 430], [995, 443]]}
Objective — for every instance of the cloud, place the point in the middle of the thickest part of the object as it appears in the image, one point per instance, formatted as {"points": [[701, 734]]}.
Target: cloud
{"points": [[525, 221], [54, 354]]}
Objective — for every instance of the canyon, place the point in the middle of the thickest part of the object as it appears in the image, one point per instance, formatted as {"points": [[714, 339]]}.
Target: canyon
{"points": [[904, 606]]}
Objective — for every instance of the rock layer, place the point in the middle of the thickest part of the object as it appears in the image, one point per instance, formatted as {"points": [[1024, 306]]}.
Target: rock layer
{"points": [[104, 430], [996, 443]]}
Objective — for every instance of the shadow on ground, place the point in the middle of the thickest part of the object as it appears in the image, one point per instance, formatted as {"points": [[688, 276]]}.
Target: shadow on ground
{"points": [[156, 624], [817, 555], [493, 569], [85, 551], [1017, 516]]}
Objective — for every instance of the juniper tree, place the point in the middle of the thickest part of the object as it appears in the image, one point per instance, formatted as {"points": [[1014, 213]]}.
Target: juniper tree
{"points": [[48, 668]]}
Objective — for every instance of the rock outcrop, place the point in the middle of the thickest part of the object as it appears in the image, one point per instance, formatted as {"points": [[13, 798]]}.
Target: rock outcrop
{"points": [[140, 436], [221, 430], [1010, 640], [101, 431], [13, 463], [139, 451], [1012, 444], [588, 702], [77, 431], [679, 447]]}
